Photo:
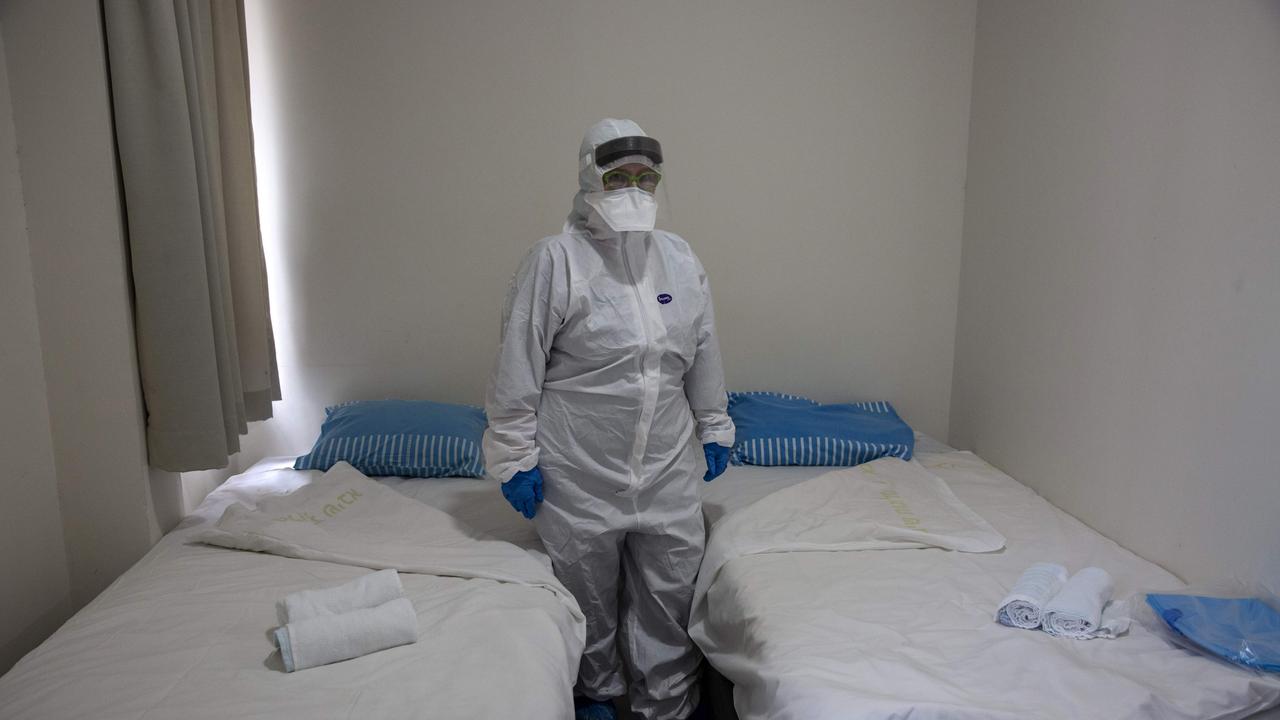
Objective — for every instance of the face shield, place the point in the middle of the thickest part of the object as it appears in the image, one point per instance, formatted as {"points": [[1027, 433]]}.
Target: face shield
{"points": [[629, 203], [643, 149]]}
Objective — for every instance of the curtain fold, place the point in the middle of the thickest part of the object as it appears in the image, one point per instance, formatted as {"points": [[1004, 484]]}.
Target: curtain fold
{"points": [[206, 352]]}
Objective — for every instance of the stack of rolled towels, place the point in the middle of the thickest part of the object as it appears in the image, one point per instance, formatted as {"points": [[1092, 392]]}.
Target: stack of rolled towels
{"points": [[1077, 607], [329, 625]]}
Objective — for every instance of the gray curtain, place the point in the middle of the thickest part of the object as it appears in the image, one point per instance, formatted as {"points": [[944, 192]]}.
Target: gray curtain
{"points": [[180, 96]]}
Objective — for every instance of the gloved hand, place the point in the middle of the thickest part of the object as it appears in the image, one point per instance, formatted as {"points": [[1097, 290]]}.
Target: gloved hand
{"points": [[717, 460], [524, 491]]}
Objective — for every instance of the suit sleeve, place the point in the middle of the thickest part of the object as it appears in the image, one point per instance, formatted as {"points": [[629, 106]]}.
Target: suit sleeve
{"points": [[704, 381], [534, 310]]}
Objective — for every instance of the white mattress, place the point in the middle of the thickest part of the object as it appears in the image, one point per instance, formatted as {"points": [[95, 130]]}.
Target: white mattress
{"points": [[909, 633], [184, 634]]}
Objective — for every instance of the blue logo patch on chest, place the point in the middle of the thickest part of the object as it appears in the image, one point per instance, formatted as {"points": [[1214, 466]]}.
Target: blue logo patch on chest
{"points": [[664, 298]]}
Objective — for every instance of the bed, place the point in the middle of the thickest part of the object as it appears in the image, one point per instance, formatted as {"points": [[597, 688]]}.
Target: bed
{"points": [[184, 633], [908, 633]]}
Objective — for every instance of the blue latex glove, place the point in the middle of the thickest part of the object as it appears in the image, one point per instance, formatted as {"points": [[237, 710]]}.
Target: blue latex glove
{"points": [[717, 460], [524, 491]]}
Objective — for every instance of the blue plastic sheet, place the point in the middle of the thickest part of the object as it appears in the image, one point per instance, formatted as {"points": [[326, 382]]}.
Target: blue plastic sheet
{"points": [[1244, 631]]}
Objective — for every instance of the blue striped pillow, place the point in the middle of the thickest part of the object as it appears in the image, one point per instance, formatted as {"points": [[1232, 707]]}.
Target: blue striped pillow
{"points": [[778, 429], [413, 438]]}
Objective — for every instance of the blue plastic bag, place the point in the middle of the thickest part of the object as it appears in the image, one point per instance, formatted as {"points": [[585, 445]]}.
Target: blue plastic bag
{"points": [[1244, 631]]}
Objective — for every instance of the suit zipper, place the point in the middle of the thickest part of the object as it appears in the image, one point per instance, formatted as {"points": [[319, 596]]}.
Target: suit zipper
{"points": [[644, 328]]}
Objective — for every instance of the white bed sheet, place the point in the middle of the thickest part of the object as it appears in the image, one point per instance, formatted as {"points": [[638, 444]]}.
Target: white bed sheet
{"points": [[479, 503], [909, 633], [751, 483], [184, 634]]}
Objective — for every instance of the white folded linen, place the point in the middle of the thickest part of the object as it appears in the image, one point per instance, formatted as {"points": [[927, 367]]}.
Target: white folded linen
{"points": [[365, 591], [1024, 605], [1077, 611], [344, 517], [886, 504], [331, 638]]}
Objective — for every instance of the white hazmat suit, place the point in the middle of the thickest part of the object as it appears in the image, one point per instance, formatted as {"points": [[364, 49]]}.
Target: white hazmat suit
{"points": [[607, 373]]}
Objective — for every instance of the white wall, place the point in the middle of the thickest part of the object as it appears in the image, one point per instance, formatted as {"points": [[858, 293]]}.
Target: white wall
{"points": [[409, 153], [197, 485], [35, 593], [61, 116], [1118, 344]]}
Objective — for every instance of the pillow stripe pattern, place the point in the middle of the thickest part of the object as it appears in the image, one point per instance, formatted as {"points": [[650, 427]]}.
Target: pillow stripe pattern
{"points": [[409, 438], [878, 406], [407, 455], [733, 396], [780, 429], [813, 451], [875, 407]]}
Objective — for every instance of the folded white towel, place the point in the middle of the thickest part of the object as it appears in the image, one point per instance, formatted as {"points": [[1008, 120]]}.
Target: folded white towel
{"points": [[1077, 611], [331, 638], [365, 591], [1023, 606]]}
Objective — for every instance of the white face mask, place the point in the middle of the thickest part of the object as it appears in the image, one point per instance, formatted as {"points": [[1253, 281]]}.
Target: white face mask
{"points": [[628, 209]]}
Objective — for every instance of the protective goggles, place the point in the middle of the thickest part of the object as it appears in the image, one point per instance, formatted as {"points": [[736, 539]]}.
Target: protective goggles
{"points": [[619, 179]]}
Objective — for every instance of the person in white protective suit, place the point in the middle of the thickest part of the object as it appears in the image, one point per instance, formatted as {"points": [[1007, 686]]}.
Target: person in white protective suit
{"points": [[607, 375]]}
